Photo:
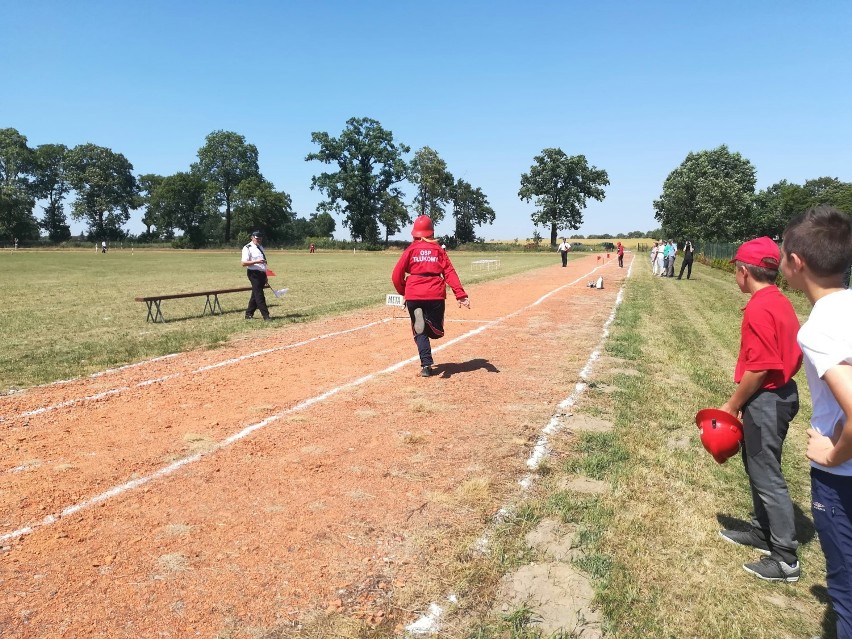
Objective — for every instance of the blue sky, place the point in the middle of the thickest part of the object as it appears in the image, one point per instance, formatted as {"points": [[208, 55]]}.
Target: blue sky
{"points": [[633, 86]]}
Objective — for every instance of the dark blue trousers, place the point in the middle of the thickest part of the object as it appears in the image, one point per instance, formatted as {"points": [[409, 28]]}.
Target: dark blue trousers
{"points": [[433, 313], [831, 508]]}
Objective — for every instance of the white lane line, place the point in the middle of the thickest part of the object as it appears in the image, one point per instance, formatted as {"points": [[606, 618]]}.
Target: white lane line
{"points": [[93, 375], [429, 622], [174, 466], [148, 382]]}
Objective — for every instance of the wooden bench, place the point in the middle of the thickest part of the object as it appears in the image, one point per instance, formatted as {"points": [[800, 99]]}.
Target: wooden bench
{"points": [[155, 314]]}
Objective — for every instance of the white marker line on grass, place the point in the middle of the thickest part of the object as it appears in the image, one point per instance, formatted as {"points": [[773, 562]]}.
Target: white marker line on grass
{"points": [[428, 623], [171, 468]]}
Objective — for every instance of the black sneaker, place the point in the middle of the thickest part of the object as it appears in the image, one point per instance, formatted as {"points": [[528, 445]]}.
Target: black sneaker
{"points": [[770, 569], [745, 538], [419, 323], [426, 371]]}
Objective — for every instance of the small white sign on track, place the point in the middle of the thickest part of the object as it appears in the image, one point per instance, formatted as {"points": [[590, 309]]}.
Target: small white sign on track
{"points": [[393, 299]]}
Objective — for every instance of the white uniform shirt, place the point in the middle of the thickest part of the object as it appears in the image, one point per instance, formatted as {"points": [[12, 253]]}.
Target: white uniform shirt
{"points": [[564, 247], [826, 341], [251, 253]]}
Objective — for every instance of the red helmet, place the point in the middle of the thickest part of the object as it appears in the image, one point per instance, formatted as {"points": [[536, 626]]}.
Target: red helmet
{"points": [[423, 227], [721, 433]]}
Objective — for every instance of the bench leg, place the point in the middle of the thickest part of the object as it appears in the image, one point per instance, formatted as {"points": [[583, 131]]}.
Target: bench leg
{"points": [[152, 316], [214, 306]]}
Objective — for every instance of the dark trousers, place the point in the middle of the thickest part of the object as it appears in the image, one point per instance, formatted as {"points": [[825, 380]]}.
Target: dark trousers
{"points": [[766, 418], [433, 313], [687, 264], [621, 261], [831, 508], [257, 301], [564, 255]]}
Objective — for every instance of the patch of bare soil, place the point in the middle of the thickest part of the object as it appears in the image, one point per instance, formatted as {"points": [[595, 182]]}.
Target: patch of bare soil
{"points": [[253, 485]]}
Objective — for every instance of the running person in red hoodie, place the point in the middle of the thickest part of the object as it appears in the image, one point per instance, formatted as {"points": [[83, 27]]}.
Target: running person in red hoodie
{"points": [[425, 288]]}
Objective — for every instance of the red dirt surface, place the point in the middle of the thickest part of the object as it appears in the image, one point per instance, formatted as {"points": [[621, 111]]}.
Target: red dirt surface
{"points": [[322, 507]]}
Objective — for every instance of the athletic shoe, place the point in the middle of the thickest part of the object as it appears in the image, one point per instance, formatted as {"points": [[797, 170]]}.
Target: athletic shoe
{"points": [[426, 371], [419, 322], [770, 569], [745, 538]]}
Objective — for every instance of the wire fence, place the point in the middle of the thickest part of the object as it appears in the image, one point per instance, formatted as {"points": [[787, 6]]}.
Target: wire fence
{"points": [[716, 251]]}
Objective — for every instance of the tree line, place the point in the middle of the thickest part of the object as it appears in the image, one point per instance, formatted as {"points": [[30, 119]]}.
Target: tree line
{"points": [[711, 197], [223, 195]]}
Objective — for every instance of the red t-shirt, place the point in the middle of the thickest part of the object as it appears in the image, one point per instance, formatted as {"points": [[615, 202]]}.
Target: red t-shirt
{"points": [[768, 338], [429, 273]]}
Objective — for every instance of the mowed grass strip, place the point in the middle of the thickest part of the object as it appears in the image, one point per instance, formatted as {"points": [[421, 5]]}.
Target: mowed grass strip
{"points": [[652, 545], [70, 313]]}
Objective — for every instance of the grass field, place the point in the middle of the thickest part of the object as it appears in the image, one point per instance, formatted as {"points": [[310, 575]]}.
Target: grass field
{"points": [[652, 543], [68, 313]]}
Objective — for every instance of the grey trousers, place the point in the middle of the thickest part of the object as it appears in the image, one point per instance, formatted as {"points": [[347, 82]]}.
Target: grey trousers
{"points": [[766, 418]]}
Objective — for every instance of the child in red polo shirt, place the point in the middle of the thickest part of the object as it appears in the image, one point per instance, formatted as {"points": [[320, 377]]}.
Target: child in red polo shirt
{"points": [[767, 400]]}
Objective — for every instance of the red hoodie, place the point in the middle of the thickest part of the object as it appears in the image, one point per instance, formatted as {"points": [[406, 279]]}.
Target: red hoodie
{"points": [[429, 273]]}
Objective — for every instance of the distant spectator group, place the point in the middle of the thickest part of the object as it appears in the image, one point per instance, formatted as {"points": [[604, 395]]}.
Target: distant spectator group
{"points": [[664, 256]]}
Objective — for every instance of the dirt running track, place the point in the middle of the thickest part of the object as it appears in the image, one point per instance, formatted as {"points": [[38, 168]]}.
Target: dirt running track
{"points": [[283, 474]]}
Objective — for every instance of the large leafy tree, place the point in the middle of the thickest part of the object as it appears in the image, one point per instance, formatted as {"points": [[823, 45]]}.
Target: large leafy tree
{"points": [[773, 208], [50, 183], [471, 209], [178, 202], [106, 189], [828, 190], [369, 165], [776, 204], [257, 205], [434, 183], [147, 184], [17, 163], [708, 197], [324, 224], [393, 215], [561, 185], [225, 160]]}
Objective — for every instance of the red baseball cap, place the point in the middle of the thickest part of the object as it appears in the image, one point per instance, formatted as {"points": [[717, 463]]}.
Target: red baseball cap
{"points": [[761, 251]]}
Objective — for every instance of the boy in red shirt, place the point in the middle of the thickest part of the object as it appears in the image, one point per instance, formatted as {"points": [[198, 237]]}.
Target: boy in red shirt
{"points": [[425, 288], [767, 398]]}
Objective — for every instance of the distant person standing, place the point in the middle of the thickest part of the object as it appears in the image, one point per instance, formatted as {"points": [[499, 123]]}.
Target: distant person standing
{"points": [[619, 248], [563, 252], [655, 270], [254, 259], [667, 249], [16, 243], [688, 253], [672, 258], [103, 246], [313, 248]]}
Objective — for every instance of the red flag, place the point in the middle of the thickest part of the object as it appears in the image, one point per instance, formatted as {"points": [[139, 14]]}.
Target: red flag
{"points": [[269, 273]]}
